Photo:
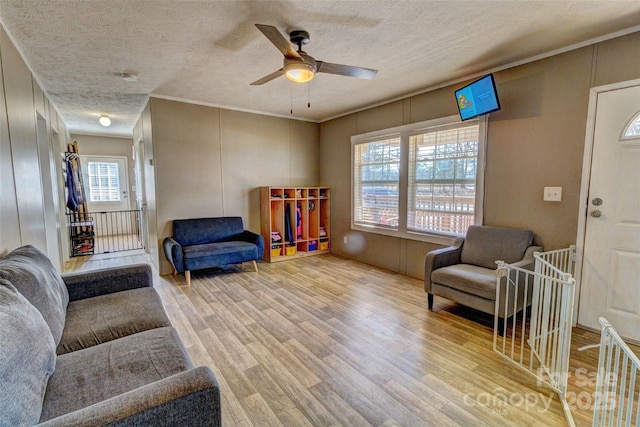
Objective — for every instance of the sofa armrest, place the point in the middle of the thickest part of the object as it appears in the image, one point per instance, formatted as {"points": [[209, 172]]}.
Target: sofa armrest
{"points": [[107, 281], [190, 398], [173, 252], [528, 261], [441, 258], [256, 239]]}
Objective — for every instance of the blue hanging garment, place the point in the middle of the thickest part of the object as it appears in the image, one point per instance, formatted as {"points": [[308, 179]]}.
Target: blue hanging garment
{"points": [[288, 231], [299, 221], [72, 198]]}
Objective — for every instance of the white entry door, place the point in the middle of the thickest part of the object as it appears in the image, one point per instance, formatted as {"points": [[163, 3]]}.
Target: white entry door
{"points": [[610, 277], [106, 190]]}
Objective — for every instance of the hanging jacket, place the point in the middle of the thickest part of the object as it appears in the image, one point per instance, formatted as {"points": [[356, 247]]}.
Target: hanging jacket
{"points": [[299, 221], [72, 198]]}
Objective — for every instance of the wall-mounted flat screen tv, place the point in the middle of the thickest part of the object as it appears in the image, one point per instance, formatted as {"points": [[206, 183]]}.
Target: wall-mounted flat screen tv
{"points": [[477, 98]]}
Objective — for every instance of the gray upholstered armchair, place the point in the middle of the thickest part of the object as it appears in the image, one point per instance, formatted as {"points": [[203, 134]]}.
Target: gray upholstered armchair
{"points": [[465, 271]]}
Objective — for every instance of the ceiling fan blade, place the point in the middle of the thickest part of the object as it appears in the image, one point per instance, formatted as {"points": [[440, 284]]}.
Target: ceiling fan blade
{"points": [[278, 41], [345, 70], [268, 78]]}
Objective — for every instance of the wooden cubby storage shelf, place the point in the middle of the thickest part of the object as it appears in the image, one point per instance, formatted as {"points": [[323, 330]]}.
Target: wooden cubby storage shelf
{"points": [[307, 210]]}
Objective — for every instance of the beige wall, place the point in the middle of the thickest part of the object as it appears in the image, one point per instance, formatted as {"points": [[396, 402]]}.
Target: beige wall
{"points": [[535, 140], [9, 224], [210, 162], [29, 168]]}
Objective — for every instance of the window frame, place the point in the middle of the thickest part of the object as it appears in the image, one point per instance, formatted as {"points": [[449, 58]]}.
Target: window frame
{"points": [[405, 132], [354, 205], [90, 187]]}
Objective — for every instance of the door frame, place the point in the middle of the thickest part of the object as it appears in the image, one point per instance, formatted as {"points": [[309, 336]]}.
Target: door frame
{"points": [[585, 181]]}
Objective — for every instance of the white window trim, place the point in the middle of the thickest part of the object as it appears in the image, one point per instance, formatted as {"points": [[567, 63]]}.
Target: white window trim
{"points": [[405, 132]]}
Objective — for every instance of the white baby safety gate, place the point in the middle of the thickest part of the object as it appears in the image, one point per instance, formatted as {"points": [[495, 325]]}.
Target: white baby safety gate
{"points": [[618, 382], [537, 338]]}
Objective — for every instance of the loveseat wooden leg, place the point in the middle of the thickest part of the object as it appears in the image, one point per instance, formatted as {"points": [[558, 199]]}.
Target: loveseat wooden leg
{"points": [[255, 265], [430, 301], [187, 275]]}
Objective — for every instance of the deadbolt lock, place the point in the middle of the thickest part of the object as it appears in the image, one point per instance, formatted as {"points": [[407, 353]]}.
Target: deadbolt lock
{"points": [[597, 201]]}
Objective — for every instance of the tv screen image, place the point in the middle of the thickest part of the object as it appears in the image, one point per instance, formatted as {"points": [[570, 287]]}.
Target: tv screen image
{"points": [[477, 98]]}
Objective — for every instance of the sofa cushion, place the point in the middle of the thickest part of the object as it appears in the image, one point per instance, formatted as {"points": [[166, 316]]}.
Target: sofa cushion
{"points": [[92, 375], [101, 319], [27, 358], [218, 254], [470, 279], [484, 245], [189, 232], [31, 272]]}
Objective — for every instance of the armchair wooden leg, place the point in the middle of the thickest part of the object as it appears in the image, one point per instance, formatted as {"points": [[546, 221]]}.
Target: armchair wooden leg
{"points": [[430, 301], [255, 265], [175, 272], [187, 275]]}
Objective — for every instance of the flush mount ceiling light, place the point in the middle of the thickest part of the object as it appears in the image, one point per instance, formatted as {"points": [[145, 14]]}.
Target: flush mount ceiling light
{"points": [[105, 120], [129, 77]]}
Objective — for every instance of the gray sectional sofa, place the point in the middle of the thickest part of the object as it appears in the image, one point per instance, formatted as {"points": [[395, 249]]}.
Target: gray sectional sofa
{"points": [[93, 349]]}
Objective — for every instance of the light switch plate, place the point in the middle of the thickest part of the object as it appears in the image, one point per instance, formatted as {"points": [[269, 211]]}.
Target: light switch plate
{"points": [[552, 194]]}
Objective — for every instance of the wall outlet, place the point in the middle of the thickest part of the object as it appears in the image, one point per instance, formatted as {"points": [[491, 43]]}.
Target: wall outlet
{"points": [[552, 194], [345, 240]]}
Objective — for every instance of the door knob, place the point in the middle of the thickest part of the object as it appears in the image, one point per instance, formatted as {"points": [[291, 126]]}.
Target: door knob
{"points": [[596, 214]]}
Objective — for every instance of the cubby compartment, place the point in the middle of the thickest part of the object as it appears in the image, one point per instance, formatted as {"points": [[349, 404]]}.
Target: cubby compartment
{"points": [[289, 193], [276, 193], [304, 211]]}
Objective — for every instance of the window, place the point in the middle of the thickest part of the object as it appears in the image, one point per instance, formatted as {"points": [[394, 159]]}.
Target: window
{"points": [[104, 184], [442, 179], [422, 181], [632, 130], [376, 182]]}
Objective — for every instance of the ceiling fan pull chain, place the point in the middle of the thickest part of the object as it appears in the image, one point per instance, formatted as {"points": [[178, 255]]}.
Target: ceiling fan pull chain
{"points": [[309, 96], [291, 87]]}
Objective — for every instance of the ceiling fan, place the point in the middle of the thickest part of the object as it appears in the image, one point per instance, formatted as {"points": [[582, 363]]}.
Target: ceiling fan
{"points": [[300, 67]]}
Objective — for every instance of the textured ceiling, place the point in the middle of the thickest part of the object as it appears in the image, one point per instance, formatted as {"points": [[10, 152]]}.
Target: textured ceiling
{"points": [[209, 51]]}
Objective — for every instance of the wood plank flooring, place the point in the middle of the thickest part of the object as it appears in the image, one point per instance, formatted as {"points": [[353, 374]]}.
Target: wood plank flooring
{"points": [[326, 341]]}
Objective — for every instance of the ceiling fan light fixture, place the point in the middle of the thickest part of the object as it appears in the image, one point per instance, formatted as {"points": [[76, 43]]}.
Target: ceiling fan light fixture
{"points": [[299, 72], [105, 120]]}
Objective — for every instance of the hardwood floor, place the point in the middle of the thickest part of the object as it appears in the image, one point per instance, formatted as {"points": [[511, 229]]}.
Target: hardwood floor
{"points": [[326, 341]]}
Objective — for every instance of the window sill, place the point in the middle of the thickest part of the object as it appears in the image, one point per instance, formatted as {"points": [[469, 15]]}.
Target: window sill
{"points": [[440, 239]]}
